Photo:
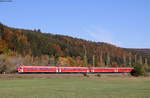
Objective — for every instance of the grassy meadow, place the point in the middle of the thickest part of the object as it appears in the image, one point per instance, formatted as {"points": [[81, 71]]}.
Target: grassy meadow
{"points": [[75, 87]]}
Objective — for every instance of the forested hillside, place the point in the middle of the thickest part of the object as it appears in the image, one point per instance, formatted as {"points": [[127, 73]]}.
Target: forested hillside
{"points": [[32, 47]]}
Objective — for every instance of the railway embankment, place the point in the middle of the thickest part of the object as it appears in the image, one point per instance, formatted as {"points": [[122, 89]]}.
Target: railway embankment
{"points": [[13, 76]]}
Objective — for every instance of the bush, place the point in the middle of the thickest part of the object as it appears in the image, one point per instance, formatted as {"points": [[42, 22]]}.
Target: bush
{"points": [[139, 70]]}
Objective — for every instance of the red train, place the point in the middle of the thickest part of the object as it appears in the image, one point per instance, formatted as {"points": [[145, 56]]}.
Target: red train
{"points": [[48, 69]]}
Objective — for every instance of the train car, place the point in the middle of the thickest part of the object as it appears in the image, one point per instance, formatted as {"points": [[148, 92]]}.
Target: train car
{"points": [[125, 69], [111, 69], [102, 69], [37, 69], [74, 69]]}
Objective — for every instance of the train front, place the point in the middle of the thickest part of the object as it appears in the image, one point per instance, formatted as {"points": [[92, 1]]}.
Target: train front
{"points": [[19, 68]]}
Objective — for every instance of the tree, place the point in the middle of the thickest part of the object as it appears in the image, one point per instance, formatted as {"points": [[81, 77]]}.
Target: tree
{"points": [[52, 60], [138, 70], [140, 60], [124, 60], [85, 56], [101, 59], [130, 59], [3, 46], [79, 61], [39, 30], [93, 60], [146, 61], [108, 60], [135, 58]]}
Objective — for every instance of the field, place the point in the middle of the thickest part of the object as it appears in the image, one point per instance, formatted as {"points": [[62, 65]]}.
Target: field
{"points": [[76, 87]]}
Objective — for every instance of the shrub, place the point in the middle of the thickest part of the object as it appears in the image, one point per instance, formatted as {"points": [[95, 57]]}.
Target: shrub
{"points": [[139, 70]]}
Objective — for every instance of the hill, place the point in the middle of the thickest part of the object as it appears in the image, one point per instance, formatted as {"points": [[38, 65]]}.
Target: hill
{"points": [[144, 52], [32, 47]]}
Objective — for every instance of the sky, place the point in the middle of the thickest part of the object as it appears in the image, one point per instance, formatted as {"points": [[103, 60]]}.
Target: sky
{"points": [[124, 23]]}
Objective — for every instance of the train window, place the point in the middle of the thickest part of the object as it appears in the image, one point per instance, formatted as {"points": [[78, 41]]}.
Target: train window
{"points": [[19, 67], [74, 69], [103, 69], [39, 68]]}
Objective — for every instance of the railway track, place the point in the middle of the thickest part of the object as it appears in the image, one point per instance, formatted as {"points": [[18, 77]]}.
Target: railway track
{"points": [[14, 76]]}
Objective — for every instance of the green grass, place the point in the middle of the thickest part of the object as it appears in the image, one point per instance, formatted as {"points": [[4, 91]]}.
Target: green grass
{"points": [[102, 87]]}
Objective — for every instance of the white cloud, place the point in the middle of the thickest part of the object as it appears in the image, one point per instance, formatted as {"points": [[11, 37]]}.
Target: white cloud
{"points": [[100, 35]]}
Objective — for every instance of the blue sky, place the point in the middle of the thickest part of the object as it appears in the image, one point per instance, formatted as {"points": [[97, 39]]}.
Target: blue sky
{"points": [[125, 23]]}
